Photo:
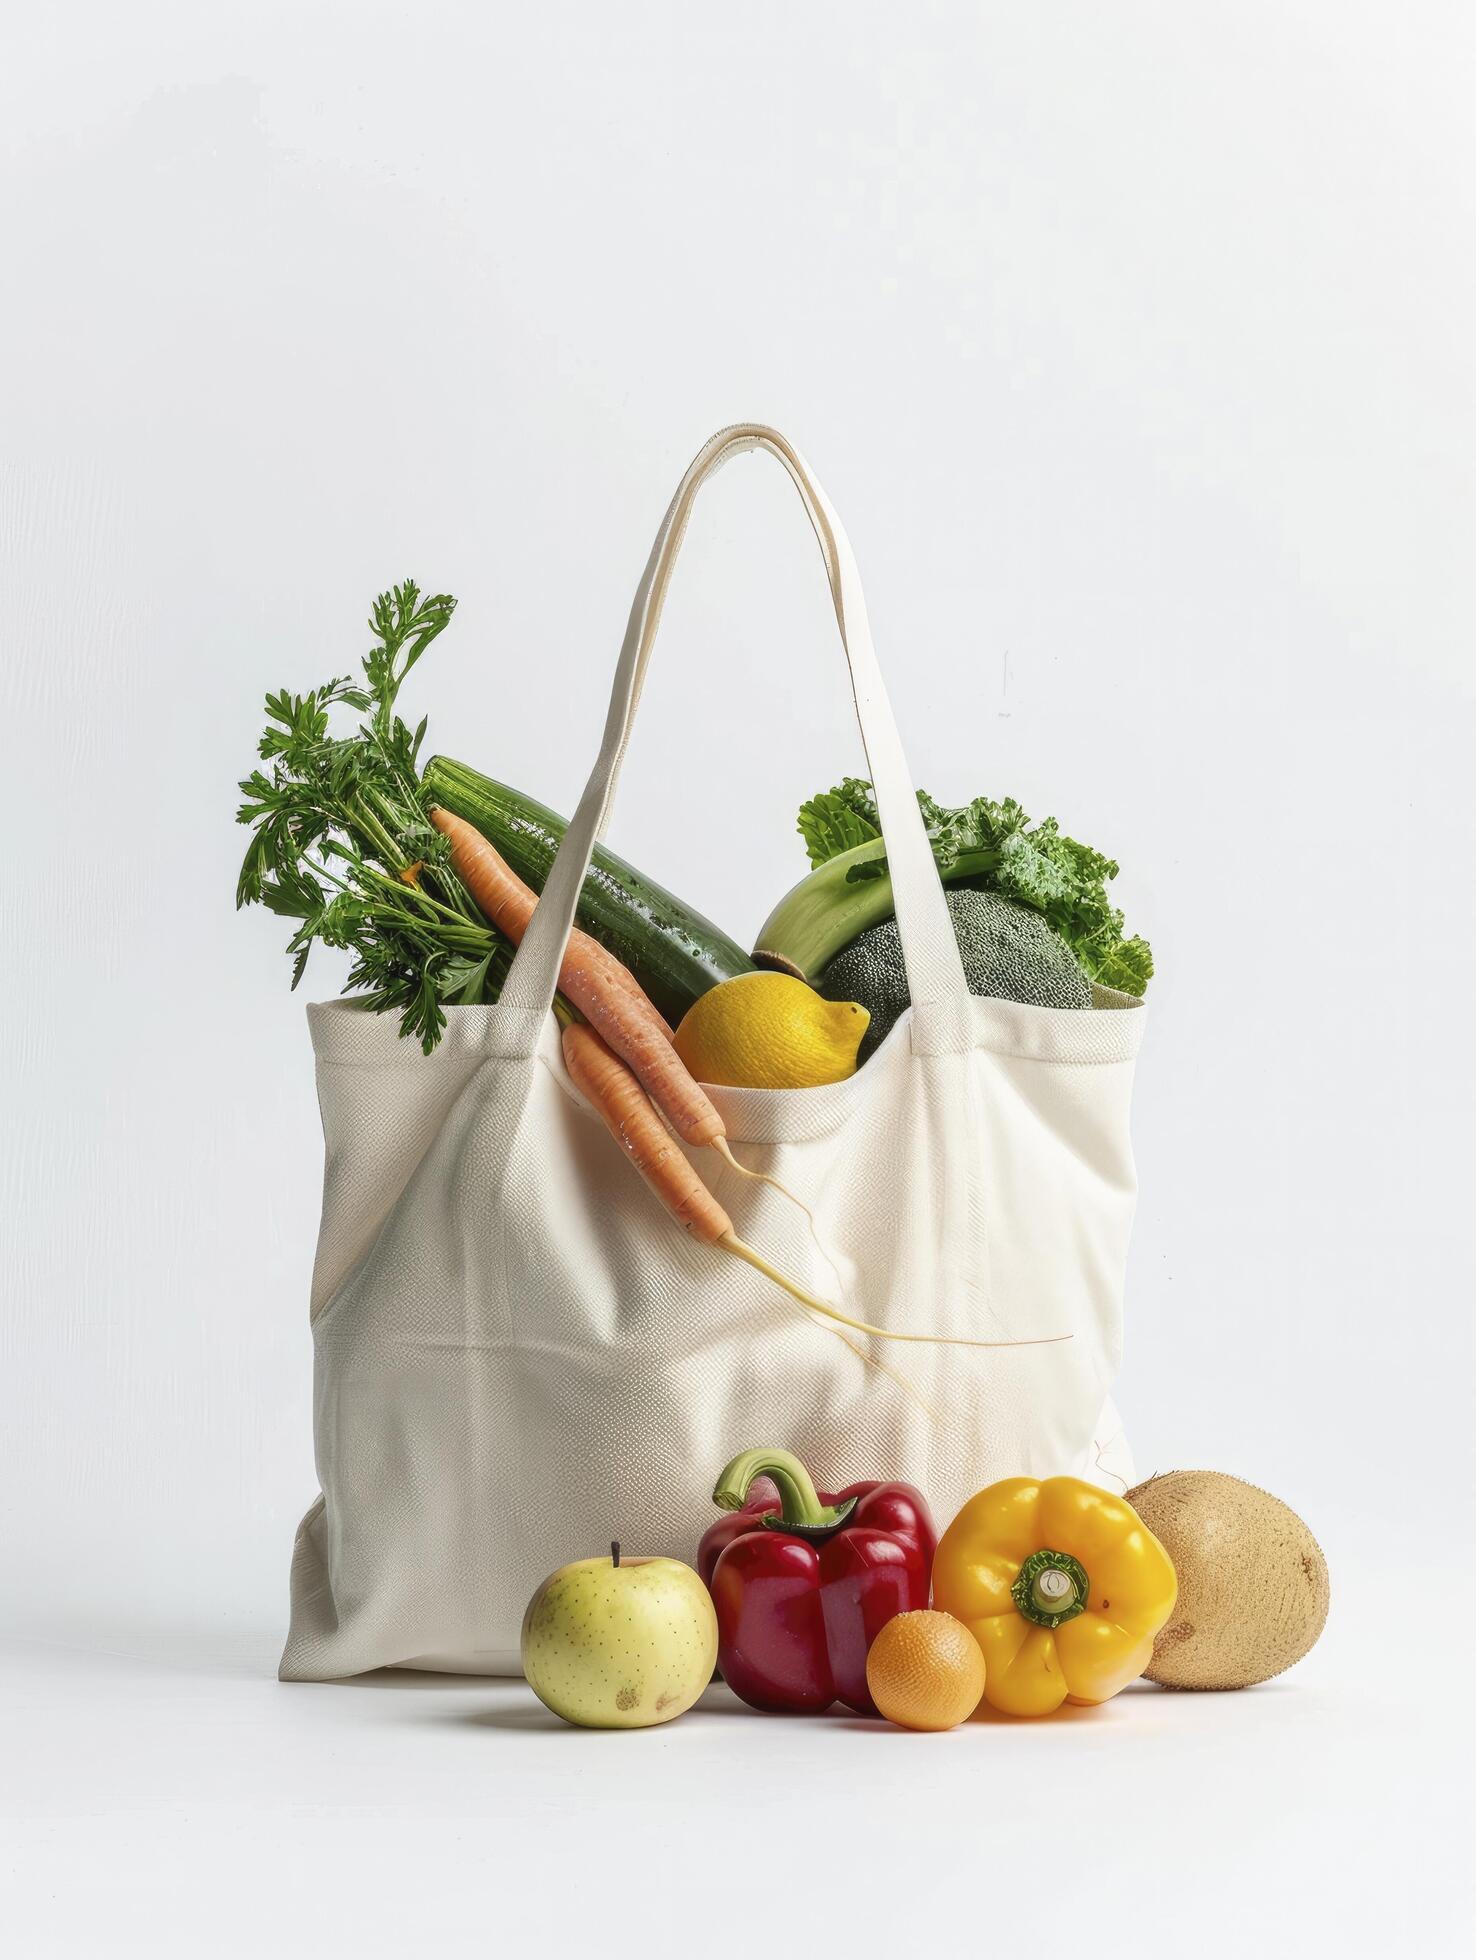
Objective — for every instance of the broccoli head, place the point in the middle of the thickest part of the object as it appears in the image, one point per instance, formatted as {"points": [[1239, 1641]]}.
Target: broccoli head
{"points": [[1008, 953]]}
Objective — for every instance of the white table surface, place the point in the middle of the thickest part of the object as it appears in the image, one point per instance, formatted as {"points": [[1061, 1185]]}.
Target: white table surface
{"points": [[164, 1794]]}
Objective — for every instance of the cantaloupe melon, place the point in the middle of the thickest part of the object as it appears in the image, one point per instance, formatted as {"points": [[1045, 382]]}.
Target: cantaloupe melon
{"points": [[1253, 1585]]}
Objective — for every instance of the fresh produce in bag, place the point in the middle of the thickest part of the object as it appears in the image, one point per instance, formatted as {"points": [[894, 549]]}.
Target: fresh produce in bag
{"points": [[771, 1031], [1030, 908], [674, 954], [1008, 953]]}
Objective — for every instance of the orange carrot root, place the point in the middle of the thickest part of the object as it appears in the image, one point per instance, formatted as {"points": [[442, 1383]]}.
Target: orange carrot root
{"points": [[630, 1116], [604, 991]]}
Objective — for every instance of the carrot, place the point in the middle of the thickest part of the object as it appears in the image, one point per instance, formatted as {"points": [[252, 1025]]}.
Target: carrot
{"points": [[585, 959], [628, 1114], [604, 991], [607, 993]]}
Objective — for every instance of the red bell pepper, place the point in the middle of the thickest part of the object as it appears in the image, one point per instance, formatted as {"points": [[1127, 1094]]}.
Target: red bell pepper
{"points": [[802, 1588]]}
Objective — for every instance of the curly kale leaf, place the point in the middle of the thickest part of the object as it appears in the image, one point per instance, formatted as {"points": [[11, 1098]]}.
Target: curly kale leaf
{"points": [[994, 846], [838, 820]]}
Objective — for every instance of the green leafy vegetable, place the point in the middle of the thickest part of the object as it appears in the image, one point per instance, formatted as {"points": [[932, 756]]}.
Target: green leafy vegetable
{"points": [[994, 847], [832, 822], [341, 844]]}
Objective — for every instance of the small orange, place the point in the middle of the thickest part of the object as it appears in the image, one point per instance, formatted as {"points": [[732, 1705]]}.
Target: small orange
{"points": [[925, 1671]]}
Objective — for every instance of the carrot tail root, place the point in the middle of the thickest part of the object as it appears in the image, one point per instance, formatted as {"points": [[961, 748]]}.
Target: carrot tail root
{"points": [[731, 1243]]}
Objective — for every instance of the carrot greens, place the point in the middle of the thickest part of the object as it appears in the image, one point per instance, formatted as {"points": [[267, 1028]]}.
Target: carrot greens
{"points": [[342, 845]]}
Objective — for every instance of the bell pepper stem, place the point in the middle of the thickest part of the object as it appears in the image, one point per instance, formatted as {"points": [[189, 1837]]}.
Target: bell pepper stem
{"points": [[1052, 1588], [800, 1500]]}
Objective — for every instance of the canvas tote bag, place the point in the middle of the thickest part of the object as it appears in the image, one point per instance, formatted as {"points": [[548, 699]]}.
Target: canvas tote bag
{"points": [[519, 1357]]}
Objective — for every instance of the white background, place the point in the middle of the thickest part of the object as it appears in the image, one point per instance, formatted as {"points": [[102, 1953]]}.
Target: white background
{"points": [[1134, 344]]}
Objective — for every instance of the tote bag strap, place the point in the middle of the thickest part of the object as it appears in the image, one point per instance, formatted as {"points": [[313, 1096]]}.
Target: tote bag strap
{"points": [[942, 1021]]}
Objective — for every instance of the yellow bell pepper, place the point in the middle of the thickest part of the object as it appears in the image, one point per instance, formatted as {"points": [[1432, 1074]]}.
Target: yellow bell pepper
{"points": [[1061, 1584]]}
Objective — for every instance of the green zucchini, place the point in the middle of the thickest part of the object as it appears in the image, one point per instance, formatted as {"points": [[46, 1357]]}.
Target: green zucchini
{"points": [[674, 952]]}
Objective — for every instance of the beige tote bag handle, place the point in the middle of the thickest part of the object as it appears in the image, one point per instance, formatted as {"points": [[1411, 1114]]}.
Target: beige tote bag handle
{"points": [[942, 1020]]}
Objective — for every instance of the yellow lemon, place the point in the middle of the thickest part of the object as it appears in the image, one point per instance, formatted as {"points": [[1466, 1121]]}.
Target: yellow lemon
{"points": [[770, 1031]]}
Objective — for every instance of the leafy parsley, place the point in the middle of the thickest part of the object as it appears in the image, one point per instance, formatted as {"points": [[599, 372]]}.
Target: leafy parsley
{"points": [[341, 842]]}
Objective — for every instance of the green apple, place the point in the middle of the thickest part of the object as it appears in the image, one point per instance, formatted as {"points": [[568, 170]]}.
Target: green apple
{"points": [[613, 1643]]}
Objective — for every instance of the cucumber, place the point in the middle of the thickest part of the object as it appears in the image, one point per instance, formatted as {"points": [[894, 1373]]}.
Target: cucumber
{"points": [[674, 952]]}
